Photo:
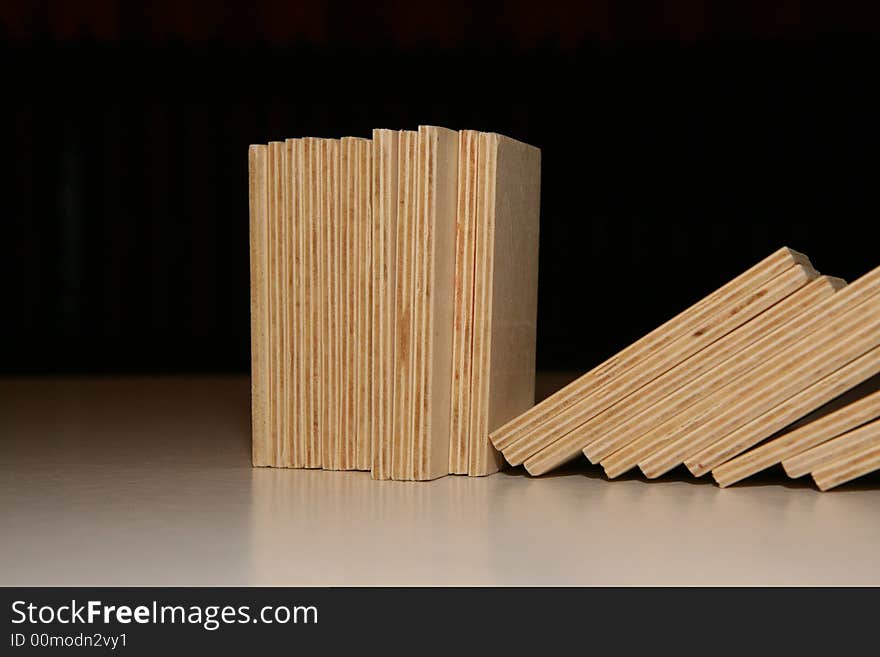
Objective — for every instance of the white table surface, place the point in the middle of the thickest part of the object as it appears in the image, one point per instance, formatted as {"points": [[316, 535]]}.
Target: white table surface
{"points": [[147, 481]]}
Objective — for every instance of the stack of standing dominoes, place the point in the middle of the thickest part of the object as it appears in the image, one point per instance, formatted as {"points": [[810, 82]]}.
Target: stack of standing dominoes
{"points": [[737, 369], [393, 299]]}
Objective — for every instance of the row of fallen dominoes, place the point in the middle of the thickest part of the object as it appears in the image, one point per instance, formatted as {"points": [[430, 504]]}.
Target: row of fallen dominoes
{"points": [[780, 365], [393, 299]]}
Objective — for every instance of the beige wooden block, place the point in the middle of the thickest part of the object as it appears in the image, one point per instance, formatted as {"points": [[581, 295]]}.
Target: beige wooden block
{"points": [[311, 301], [853, 464], [319, 290], [851, 396], [647, 434], [433, 300], [831, 451], [276, 362], [258, 196], [331, 299], [463, 314], [364, 291], [479, 385], [556, 443], [420, 261], [402, 426], [348, 263], [798, 440], [688, 321], [505, 292], [284, 288], [349, 298], [335, 300], [385, 157], [331, 448], [791, 410], [600, 434], [787, 373], [295, 319], [344, 451], [281, 442]]}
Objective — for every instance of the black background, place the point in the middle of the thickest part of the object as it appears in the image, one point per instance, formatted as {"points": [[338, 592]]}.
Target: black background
{"points": [[682, 142]]}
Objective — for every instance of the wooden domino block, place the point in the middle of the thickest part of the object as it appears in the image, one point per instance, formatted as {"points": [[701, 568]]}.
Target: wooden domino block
{"points": [[261, 419], [433, 293], [832, 451], [800, 439], [385, 167], [402, 425], [821, 392], [529, 422], [555, 443], [463, 313], [366, 301], [702, 397], [665, 396], [852, 464], [787, 373], [505, 292]]}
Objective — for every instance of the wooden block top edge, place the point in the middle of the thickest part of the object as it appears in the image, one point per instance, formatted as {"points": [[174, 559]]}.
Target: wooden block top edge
{"points": [[423, 129], [835, 282], [499, 138], [797, 256]]}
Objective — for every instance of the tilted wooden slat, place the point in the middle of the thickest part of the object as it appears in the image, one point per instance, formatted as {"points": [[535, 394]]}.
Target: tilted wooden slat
{"points": [[731, 316], [831, 347], [528, 422], [710, 385]]}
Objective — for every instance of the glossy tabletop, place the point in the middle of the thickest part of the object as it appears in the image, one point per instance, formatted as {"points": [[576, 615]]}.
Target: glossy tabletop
{"points": [[147, 481]]}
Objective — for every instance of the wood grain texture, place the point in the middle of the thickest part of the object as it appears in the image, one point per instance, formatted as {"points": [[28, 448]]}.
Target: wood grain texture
{"points": [[557, 443], [348, 306], [798, 440], [311, 302], [329, 459], [369, 261], [601, 435], [421, 261], [385, 167], [463, 312], [650, 435], [505, 292], [854, 463], [364, 292], [333, 305], [333, 301], [687, 321], [297, 155], [829, 348], [792, 409], [832, 451], [328, 177], [276, 296], [261, 427], [402, 464], [487, 157], [285, 237], [433, 300]]}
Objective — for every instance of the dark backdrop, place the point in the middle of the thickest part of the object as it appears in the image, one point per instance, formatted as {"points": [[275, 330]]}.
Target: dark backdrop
{"points": [[682, 142]]}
